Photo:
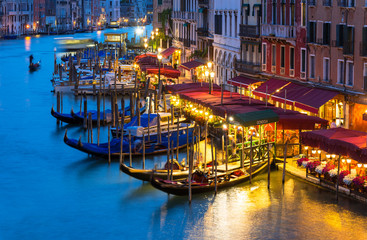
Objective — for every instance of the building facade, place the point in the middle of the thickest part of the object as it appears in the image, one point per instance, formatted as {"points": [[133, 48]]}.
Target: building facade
{"points": [[227, 44], [249, 62], [159, 6], [337, 57], [17, 16]]}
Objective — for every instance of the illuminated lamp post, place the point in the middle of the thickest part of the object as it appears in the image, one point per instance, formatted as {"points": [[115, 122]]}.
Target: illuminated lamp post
{"points": [[159, 73]]}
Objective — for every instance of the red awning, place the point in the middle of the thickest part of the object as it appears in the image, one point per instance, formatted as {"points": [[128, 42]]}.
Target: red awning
{"points": [[269, 87], [167, 72], [242, 81], [290, 92], [168, 52], [314, 99], [192, 64], [191, 87], [338, 141], [145, 55]]}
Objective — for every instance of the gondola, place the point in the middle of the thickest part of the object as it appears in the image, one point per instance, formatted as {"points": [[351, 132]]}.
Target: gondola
{"points": [[80, 115], [147, 174], [151, 147], [34, 67], [225, 180], [78, 118]]}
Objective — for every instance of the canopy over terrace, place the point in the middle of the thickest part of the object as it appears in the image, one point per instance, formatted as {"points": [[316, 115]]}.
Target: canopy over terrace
{"points": [[242, 81], [307, 98], [145, 55], [166, 71], [191, 64], [339, 141], [168, 52], [233, 104]]}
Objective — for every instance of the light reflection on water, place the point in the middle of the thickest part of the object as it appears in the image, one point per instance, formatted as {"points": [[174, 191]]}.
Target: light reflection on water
{"points": [[49, 190]]}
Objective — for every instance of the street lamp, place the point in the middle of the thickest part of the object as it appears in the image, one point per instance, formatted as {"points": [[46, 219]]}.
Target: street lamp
{"points": [[146, 46], [211, 76], [206, 76]]}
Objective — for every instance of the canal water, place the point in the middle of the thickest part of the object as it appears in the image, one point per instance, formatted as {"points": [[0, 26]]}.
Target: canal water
{"points": [[50, 191]]}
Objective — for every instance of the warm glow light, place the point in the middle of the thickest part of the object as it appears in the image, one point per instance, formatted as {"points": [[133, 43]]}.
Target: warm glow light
{"points": [[159, 57], [212, 74], [159, 49], [224, 127], [210, 64], [206, 113], [313, 151], [327, 155], [333, 155], [145, 45], [153, 37], [231, 119], [306, 147], [359, 165], [206, 73], [365, 165], [145, 40], [349, 160], [318, 151], [156, 29], [28, 26], [201, 111], [343, 160], [190, 105]]}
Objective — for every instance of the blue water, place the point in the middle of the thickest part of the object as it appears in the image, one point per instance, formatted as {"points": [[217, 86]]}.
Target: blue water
{"points": [[50, 191]]}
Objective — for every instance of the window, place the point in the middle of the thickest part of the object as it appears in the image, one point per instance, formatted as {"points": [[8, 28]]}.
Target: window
{"points": [[303, 60], [340, 35], [159, 2], [326, 34], [312, 32], [312, 66], [225, 25], [274, 56], [218, 24], [264, 53], [292, 12], [303, 13], [340, 72], [265, 11], [274, 12], [327, 69], [365, 76], [350, 73], [291, 58], [282, 53], [348, 47], [283, 14]]}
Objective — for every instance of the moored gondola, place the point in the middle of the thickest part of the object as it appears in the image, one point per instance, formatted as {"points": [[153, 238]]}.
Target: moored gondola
{"points": [[147, 174], [225, 180], [136, 144]]}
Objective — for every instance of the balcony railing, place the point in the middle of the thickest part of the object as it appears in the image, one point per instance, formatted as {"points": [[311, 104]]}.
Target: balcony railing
{"points": [[203, 2], [184, 15], [249, 31], [346, 3], [249, 67], [326, 3], [312, 2], [348, 47], [203, 32], [186, 42], [363, 49], [280, 31]]}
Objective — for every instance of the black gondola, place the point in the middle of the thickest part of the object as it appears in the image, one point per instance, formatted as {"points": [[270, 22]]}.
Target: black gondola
{"points": [[225, 180]]}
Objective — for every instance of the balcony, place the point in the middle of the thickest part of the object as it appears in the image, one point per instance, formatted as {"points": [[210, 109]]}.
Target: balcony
{"points": [[202, 32], [186, 42], [248, 67], [326, 3], [184, 15], [346, 3], [363, 49], [278, 31], [203, 2], [249, 31], [312, 2]]}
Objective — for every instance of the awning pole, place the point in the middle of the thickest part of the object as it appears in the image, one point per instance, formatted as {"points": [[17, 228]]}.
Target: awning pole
{"points": [[337, 179]]}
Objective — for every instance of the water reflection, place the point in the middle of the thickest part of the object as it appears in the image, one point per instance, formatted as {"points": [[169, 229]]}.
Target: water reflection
{"points": [[27, 43]]}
